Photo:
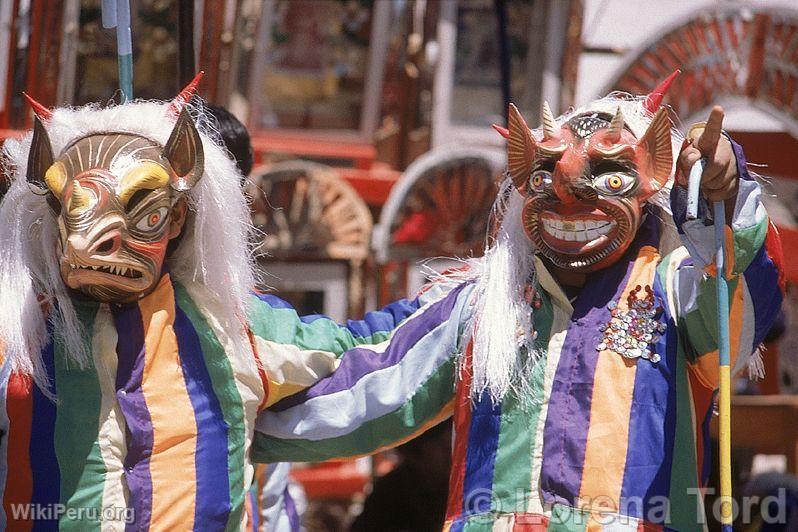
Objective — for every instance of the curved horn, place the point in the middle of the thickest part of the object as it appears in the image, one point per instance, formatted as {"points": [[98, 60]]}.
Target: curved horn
{"points": [[654, 98], [616, 127], [41, 111], [549, 124], [504, 132], [182, 99]]}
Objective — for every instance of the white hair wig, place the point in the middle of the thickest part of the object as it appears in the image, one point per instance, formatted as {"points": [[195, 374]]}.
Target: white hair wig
{"points": [[503, 355], [214, 250]]}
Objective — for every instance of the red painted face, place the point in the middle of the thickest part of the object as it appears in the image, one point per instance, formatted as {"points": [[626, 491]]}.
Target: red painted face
{"points": [[585, 185]]}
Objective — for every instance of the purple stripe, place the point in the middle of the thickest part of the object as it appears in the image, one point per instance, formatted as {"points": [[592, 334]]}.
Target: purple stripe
{"points": [[130, 352], [652, 424], [359, 362], [212, 505], [568, 417], [483, 441], [45, 473], [706, 464], [762, 280]]}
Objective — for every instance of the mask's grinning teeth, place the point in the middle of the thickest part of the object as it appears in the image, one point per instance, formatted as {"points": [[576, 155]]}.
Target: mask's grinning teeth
{"points": [[112, 269]]}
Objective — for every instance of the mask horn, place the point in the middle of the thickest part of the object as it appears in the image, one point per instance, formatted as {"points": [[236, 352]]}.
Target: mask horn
{"points": [[41, 111], [182, 99], [654, 98], [504, 132], [184, 152], [616, 127], [549, 124], [40, 158]]}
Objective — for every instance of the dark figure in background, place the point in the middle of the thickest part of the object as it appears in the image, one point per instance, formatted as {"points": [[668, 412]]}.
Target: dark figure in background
{"points": [[235, 137], [412, 497]]}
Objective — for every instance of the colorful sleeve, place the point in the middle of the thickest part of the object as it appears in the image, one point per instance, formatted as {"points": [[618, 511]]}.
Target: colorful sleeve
{"points": [[294, 352], [380, 395], [755, 277]]}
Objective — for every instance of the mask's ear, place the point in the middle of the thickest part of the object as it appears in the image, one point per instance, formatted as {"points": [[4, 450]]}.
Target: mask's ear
{"points": [[657, 149], [520, 148], [40, 158], [184, 152]]}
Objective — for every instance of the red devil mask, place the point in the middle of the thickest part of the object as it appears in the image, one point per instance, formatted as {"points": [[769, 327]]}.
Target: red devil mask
{"points": [[585, 183]]}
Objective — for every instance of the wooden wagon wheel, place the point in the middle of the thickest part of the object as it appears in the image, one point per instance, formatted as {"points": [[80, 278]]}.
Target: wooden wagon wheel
{"points": [[440, 206], [303, 208]]}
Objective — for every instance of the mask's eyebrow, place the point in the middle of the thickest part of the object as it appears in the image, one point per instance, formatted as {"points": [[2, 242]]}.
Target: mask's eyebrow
{"points": [[146, 175], [618, 152]]}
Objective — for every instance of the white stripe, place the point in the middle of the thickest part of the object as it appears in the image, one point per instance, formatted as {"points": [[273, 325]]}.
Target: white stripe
{"points": [[559, 329], [111, 435], [288, 364], [376, 394]]}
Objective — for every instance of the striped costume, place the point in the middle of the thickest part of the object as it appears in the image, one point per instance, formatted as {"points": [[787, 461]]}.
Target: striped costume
{"points": [[613, 443], [156, 432]]}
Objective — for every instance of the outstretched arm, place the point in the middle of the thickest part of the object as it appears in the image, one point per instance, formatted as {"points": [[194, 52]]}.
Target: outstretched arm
{"points": [[380, 395], [755, 278], [294, 352]]}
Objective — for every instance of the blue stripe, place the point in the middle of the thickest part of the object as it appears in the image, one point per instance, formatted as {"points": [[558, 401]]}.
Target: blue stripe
{"points": [[483, 441], [762, 279], [360, 361], [383, 320], [212, 507], [44, 464], [652, 424]]}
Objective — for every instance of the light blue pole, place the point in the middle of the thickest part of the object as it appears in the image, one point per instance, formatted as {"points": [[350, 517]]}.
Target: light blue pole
{"points": [[116, 14], [724, 370]]}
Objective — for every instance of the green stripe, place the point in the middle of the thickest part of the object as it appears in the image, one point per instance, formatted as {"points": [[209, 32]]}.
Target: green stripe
{"points": [[223, 381], [428, 400], [512, 472], [479, 523], [77, 427], [683, 470], [283, 326], [566, 519], [747, 243], [701, 323]]}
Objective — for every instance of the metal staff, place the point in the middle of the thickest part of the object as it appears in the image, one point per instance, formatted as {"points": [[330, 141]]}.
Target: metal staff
{"points": [[724, 399], [116, 14]]}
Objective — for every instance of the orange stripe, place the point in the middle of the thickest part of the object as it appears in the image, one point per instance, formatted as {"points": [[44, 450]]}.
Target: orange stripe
{"points": [[172, 464], [706, 366], [610, 411]]}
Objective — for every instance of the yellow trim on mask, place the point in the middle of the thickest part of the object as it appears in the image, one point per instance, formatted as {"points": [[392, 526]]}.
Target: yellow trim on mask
{"points": [[56, 178], [147, 175]]}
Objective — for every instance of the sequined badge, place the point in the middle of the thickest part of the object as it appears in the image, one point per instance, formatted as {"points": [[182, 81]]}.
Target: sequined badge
{"points": [[631, 332]]}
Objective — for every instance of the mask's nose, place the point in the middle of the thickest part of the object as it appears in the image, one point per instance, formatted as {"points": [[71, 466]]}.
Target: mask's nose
{"points": [[79, 247], [568, 173], [108, 244]]}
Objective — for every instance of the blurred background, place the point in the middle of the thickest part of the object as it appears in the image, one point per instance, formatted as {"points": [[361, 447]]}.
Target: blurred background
{"points": [[370, 124]]}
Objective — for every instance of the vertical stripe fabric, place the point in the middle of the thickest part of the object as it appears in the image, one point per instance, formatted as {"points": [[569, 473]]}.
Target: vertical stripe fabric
{"points": [[81, 464]]}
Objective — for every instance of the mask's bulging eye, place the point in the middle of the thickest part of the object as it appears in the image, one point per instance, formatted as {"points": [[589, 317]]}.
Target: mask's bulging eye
{"points": [[614, 183], [540, 181], [152, 221]]}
